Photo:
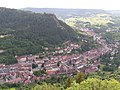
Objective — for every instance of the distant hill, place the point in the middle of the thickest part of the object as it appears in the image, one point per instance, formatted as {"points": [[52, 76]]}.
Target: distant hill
{"points": [[66, 12], [24, 32], [114, 12]]}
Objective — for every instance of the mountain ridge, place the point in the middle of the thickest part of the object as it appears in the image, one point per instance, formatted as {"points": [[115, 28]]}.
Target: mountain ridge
{"points": [[65, 12]]}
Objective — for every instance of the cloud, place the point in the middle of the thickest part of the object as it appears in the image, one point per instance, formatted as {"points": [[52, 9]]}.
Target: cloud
{"points": [[89, 4]]}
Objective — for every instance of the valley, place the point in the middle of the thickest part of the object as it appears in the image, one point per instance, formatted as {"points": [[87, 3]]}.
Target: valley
{"points": [[42, 49], [28, 67]]}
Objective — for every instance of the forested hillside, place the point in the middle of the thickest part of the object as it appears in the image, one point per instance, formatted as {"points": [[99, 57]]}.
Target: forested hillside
{"points": [[26, 32]]}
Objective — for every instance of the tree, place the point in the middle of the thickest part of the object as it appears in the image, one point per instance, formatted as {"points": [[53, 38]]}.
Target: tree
{"points": [[34, 65], [80, 77], [46, 86], [69, 81], [40, 72], [96, 84], [58, 63], [12, 89], [74, 86]]}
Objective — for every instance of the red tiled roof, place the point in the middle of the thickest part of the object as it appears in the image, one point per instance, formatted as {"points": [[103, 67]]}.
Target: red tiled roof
{"points": [[51, 72]]}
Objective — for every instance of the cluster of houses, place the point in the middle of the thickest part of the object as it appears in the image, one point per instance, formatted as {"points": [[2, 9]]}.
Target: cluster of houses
{"points": [[17, 73], [69, 47], [22, 72]]}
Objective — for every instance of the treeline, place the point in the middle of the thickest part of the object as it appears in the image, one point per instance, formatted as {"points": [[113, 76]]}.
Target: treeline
{"points": [[89, 84], [77, 83]]}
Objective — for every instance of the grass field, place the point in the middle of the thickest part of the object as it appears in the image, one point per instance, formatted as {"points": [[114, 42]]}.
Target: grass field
{"points": [[99, 19]]}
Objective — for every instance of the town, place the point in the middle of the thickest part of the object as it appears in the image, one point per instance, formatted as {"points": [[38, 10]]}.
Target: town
{"points": [[53, 64]]}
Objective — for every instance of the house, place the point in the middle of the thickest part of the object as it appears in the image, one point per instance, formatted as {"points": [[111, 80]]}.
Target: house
{"points": [[21, 59], [32, 57], [17, 80], [51, 72], [91, 69], [2, 65]]}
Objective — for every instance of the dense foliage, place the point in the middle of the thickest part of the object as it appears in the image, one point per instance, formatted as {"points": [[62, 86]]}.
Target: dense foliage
{"points": [[89, 84], [95, 84]]}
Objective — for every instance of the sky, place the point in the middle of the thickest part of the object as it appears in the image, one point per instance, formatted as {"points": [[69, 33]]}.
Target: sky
{"points": [[81, 4]]}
